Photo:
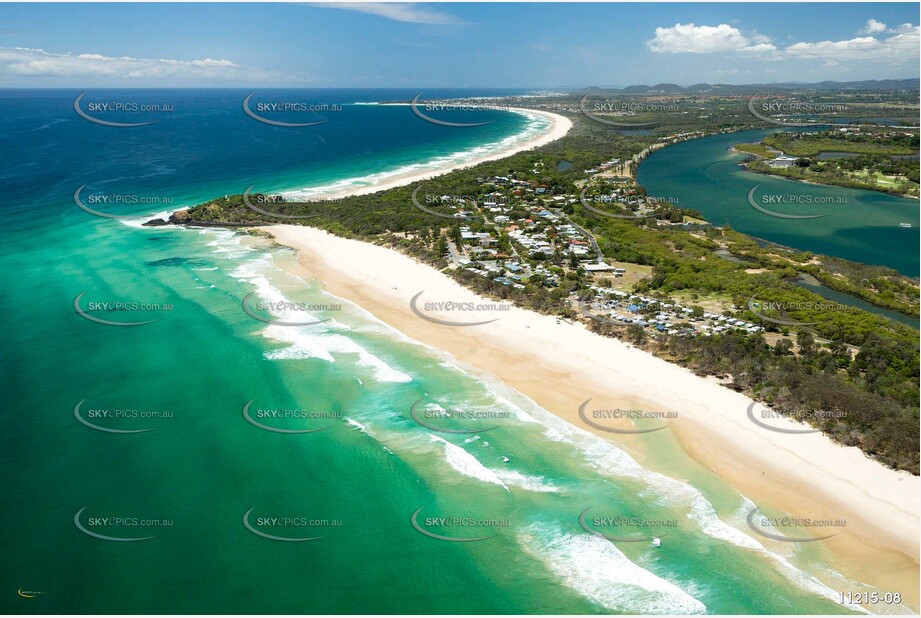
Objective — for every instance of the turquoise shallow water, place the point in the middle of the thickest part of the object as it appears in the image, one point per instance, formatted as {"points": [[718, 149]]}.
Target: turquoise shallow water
{"points": [[190, 482], [863, 226]]}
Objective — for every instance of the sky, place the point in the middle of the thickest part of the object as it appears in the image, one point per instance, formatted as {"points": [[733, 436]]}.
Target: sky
{"points": [[495, 45]]}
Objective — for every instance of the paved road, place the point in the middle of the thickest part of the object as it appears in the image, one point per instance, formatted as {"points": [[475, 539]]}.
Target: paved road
{"points": [[452, 249], [591, 239]]}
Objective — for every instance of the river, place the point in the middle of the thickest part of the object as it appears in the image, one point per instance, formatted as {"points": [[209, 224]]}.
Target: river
{"points": [[858, 225]]}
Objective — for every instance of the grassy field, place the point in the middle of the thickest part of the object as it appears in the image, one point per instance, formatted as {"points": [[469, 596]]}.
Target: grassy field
{"points": [[880, 179], [810, 146], [759, 150], [713, 303], [634, 274]]}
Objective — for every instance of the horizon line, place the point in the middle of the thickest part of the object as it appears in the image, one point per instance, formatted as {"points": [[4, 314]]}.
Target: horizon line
{"points": [[245, 87]]}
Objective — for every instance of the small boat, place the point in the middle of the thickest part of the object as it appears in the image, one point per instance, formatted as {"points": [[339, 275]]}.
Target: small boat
{"points": [[656, 542], [904, 224], [505, 460]]}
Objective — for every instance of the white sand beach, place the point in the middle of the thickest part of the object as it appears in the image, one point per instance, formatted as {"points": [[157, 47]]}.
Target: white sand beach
{"points": [[559, 126], [560, 365]]}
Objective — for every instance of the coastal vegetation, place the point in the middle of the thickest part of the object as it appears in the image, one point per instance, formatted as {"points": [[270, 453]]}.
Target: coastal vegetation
{"points": [[879, 142], [759, 150], [883, 159], [861, 370], [878, 285]]}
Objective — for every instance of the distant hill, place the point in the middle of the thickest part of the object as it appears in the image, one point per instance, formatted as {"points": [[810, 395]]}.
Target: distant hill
{"points": [[742, 89]]}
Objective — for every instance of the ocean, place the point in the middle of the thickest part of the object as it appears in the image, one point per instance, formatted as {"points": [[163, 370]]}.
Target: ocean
{"points": [[208, 462]]}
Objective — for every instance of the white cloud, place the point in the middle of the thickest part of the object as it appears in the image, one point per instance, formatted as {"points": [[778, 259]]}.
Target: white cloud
{"points": [[405, 11], [873, 27], [900, 47], [688, 38], [22, 61], [759, 48], [899, 44], [684, 38]]}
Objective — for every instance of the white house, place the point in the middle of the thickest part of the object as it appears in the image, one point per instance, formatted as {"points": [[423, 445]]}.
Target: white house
{"points": [[782, 161], [594, 267]]}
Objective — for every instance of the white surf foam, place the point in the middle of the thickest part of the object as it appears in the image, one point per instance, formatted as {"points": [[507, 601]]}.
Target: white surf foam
{"points": [[529, 482], [535, 124], [358, 426], [138, 222], [613, 462], [317, 341], [466, 464], [596, 569]]}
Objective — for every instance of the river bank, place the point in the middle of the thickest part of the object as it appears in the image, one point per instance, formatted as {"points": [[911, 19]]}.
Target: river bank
{"points": [[703, 174]]}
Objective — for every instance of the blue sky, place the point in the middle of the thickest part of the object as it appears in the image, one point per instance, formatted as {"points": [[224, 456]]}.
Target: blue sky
{"points": [[532, 45]]}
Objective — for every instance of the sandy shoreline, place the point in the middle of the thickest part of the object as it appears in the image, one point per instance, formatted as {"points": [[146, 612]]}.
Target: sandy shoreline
{"points": [[560, 365], [559, 126]]}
